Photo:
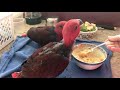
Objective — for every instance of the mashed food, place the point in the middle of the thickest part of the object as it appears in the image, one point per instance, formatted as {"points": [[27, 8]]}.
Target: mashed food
{"points": [[80, 53]]}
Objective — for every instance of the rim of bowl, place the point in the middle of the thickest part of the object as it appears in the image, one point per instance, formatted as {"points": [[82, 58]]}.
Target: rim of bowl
{"points": [[92, 63]]}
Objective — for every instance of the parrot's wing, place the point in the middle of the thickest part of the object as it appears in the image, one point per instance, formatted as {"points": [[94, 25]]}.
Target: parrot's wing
{"points": [[48, 65]]}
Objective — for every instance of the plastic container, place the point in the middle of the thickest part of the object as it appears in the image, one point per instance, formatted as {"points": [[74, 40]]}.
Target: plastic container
{"points": [[6, 29]]}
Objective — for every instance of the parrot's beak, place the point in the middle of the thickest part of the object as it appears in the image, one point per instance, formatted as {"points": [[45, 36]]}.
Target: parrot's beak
{"points": [[80, 21]]}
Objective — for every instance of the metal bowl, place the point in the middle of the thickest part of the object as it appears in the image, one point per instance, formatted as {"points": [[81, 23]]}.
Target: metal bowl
{"points": [[89, 65]]}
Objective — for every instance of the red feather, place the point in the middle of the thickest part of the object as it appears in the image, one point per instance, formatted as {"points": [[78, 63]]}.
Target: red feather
{"points": [[73, 30], [51, 60], [44, 35]]}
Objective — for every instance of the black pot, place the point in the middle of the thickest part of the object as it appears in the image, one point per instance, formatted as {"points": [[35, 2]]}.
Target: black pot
{"points": [[33, 21]]}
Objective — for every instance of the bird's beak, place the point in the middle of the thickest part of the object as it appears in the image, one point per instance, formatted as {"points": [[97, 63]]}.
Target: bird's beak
{"points": [[80, 21]]}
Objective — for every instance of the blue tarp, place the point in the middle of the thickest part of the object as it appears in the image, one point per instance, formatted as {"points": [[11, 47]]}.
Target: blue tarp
{"points": [[23, 47]]}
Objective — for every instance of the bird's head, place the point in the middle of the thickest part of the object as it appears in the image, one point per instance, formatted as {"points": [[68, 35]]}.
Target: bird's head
{"points": [[58, 29], [70, 31]]}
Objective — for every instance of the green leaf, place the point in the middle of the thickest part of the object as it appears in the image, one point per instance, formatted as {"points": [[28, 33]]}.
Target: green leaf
{"points": [[84, 28]]}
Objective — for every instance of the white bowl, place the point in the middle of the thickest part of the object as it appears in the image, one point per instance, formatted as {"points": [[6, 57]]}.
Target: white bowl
{"points": [[85, 65], [87, 35]]}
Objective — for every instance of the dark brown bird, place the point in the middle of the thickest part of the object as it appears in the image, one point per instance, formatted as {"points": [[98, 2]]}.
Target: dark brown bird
{"points": [[51, 60], [44, 35]]}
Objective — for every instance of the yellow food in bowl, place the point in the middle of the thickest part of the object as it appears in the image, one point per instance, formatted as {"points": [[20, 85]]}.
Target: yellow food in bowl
{"points": [[80, 53]]}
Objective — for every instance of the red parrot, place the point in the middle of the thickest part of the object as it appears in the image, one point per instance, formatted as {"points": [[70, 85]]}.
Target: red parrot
{"points": [[44, 35], [51, 60]]}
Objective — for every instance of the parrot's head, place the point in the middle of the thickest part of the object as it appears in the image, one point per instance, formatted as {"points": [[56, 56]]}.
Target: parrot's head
{"points": [[70, 31], [58, 29]]}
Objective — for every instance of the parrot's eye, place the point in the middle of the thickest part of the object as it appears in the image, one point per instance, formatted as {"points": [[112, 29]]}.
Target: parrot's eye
{"points": [[75, 27], [61, 26]]}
